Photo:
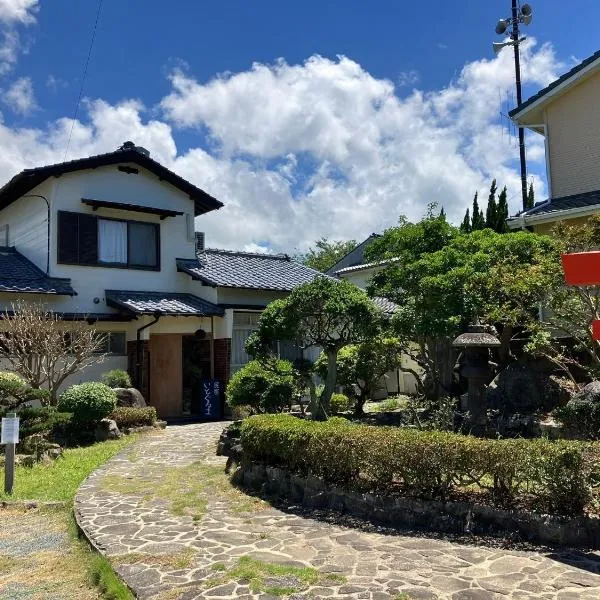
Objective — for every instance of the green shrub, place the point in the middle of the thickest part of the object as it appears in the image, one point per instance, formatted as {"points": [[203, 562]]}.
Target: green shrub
{"points": [[117, 378], [580, 416], [340, 403], [550, 476], [89, 402], [268, 387], [14, 392], [46, 420], [126, 416]]}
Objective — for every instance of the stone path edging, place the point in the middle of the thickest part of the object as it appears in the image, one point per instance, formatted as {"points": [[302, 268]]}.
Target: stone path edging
{"points": [[375, 566]]}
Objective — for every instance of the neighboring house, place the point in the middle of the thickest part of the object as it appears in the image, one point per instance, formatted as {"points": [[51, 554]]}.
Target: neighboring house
{"points": [[110, 239], [567, 114], [354, 268]]}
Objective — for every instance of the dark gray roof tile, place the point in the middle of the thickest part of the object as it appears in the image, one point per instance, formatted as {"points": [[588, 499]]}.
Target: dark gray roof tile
{"points": [[226, 268], [18, 274], [564, 203], [165, 303]]}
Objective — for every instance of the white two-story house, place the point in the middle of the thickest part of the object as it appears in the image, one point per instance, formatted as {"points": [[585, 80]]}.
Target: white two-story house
{"points": [[110, 239]]}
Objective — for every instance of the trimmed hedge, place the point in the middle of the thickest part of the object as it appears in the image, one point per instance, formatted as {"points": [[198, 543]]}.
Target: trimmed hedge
{"points": [[126, 416], [549, 476], [116, 378]]}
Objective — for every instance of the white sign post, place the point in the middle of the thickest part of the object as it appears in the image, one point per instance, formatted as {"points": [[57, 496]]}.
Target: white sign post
{"points": [[10, 437]]}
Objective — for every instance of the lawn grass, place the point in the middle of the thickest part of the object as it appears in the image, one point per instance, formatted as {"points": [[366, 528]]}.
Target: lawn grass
{"points": [[72, 571], [60, 479], [389, 404]]}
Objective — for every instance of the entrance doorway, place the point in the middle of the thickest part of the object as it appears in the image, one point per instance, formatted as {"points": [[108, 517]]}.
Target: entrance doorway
{"points": [[196, 368]]}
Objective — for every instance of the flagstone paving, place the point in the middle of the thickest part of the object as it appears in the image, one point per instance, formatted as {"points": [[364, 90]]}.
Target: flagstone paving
{"points": [[166, 516]]}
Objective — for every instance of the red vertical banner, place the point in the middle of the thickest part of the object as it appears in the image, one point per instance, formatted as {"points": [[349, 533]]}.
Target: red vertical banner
{"points": [[596, 329]]}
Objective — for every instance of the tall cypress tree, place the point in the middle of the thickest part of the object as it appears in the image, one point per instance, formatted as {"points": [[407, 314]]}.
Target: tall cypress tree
{"points": [[502, 211], [465, 226], [443, 214], [530, 197], [491, 212], [477, 218]]}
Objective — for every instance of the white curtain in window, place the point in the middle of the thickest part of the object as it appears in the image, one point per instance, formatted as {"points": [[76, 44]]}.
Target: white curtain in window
{"points": [[112, 241]]}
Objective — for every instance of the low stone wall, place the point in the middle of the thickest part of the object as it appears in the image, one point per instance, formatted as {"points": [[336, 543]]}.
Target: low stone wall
{"points": [[446, 517]]}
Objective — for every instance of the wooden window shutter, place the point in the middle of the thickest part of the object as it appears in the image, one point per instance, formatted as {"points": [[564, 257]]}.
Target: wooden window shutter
{"points": [[68, 237], [88, 239]]}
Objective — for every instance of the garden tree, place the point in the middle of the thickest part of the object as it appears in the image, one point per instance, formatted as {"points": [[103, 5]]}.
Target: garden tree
{"points": [[477, 218], [43, 348], [569, 310], [499, 278], [491, 212], [530, 197], [326, 253], [324, 313], [363, 365], [442, 213], [465, 226], [501, 212]]}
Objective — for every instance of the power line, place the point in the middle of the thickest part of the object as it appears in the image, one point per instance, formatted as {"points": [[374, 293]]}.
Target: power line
{"points": [[83, 78]]}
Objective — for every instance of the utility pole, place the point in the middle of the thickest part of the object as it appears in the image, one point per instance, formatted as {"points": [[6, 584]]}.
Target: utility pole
{"points": [[519, 15], [515, 38]]}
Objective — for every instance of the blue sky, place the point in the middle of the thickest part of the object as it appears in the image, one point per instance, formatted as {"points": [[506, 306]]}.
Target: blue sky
{"points": [[315, 145]]}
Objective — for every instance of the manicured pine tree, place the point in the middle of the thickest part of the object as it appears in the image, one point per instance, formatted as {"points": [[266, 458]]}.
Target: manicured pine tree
{"points": [[477, 218], [502, 212], [465, 226], [530, 197], [491, 213]]}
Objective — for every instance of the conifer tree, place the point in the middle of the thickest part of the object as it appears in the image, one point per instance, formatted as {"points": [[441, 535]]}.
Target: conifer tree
{"points": [[530, 197], [465, 226], [491, 213], [502, 212], [443, 214], [477, 218]]}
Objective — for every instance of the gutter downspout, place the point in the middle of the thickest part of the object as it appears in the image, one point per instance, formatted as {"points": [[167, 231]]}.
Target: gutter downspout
{"points": [[48, 220], [138, 349]]}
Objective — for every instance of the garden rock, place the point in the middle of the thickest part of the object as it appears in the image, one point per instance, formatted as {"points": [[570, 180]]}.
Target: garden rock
{"points": [[590, 393], [130, 397], [107, 430], [522, 389]]}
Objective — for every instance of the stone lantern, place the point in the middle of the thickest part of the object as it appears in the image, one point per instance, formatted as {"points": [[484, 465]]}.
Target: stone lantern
{"points": [[477, 369]]}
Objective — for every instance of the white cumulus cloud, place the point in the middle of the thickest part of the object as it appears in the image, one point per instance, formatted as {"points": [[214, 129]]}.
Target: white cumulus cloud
{"points": [[20, 96], [322, 148]]}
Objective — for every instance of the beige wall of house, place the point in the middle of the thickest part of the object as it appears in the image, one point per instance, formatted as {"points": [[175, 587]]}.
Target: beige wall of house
{"points": [[546, 228], [572, 128]]}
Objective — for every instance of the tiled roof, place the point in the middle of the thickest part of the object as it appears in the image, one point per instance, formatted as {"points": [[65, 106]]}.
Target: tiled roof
{"points": [[165, 303], [385, 305], [565, 203], [26, 180], [556, 83], [18, 274], [225, 268]]}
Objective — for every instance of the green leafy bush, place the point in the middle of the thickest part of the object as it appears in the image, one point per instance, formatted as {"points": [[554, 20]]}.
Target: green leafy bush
{"points": [[14, 391], [46, 420], [126, 416], [264, 387], [340, 403], [552, 476], [580, 416], [89, 402], [117, 378]]}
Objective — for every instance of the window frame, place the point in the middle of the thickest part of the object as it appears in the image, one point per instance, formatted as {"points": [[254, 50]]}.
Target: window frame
{"points": [[110, 265], [108, 335]]}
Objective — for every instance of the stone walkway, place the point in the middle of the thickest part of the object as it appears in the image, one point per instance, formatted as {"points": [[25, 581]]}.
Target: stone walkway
{"points": [[175, 529]]}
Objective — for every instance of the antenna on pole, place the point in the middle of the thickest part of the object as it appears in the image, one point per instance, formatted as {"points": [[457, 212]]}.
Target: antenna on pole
{"points": [[519, 14]]}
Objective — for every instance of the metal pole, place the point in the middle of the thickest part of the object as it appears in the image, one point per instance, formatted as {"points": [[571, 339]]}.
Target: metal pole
{"points": [[9, 464], [515, 38]]}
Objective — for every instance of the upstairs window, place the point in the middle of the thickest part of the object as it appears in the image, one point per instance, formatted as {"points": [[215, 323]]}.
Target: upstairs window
{"points": [[90, 240]]}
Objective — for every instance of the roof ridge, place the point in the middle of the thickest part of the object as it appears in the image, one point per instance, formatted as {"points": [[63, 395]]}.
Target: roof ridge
{"points": [[280, 256]]}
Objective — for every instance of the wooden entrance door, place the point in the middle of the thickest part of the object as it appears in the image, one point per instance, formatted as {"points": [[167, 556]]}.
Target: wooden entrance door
{"points": [[166, 374]]}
